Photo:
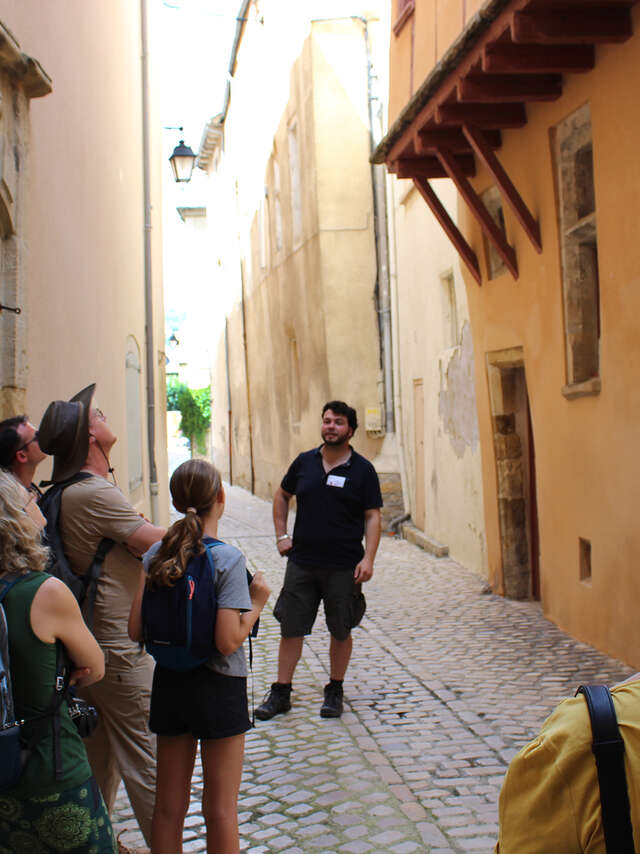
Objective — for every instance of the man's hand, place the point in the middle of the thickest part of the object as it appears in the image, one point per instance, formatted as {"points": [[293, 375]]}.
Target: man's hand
{"points": [[284, 546], [363, 571]]}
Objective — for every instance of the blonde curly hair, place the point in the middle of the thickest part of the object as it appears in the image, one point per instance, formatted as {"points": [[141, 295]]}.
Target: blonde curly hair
{"points": [[21, 549]]}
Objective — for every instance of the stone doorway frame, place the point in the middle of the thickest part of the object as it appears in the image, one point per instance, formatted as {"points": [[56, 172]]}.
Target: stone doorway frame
{"points": [[515, 472]]}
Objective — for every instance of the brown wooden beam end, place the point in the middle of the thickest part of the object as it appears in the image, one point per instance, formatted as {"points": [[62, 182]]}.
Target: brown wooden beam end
{"points": [[576, 26], [537, 59], [522, 213], [491, 116], [486, 222], [427, 141], [431, 167], [451, 229], [509, 88]]}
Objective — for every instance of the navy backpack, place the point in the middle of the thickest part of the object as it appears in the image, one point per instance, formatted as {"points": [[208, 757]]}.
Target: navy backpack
{"points": [[179, 622]]}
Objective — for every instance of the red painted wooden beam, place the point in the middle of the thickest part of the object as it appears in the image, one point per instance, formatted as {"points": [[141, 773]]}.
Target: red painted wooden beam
{"points": [[426, 141], [509, 88], [430, 167], [532, 58], [492, 116], [511, 195], [451, 229], [492, 231], [579, 26]]}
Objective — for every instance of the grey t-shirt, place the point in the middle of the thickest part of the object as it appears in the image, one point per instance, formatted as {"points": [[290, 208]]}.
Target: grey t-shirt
{"points": [[232, 591]]}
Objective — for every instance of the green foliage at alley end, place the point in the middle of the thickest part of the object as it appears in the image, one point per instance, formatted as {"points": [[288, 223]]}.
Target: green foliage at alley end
{"points": [[194, 405]]}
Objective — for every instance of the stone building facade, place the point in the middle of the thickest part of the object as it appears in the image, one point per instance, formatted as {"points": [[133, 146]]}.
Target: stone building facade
{"points": [[292, 215], [72, 224]]}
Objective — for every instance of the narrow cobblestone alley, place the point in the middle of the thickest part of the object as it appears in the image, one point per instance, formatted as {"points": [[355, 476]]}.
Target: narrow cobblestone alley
{"points": [[445, 684]]}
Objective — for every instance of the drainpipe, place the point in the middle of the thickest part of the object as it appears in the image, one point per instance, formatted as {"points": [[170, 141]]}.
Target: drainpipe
{"points": [[378, 180], [247, 381], [229, 408], [148, 282]]}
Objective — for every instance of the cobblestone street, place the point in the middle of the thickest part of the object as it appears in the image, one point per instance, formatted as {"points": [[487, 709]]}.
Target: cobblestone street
{"points": [[445, 684]]}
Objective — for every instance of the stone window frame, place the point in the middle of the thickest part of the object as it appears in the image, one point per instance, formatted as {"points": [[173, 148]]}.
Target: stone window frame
{"points": [[572, 150]]}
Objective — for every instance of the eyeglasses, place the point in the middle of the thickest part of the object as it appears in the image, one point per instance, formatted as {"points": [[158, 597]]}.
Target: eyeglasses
{"points": [[34, 438]]}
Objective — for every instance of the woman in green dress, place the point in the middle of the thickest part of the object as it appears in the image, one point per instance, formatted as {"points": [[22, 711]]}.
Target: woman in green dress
{"points": [[56, 805]]}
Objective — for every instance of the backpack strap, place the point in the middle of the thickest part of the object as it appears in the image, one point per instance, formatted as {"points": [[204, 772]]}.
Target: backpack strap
{"points": [[91, 578], [608, 749]]}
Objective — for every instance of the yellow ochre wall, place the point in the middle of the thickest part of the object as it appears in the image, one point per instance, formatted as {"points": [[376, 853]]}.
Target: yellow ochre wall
{"points": [[586, 449]]}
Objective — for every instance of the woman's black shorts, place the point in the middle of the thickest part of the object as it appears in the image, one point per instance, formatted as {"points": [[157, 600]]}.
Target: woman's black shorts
{"points": [[201, 702]]}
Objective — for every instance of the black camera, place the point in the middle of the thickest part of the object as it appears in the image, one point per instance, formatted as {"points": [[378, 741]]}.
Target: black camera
{"points": [[84, 716]]}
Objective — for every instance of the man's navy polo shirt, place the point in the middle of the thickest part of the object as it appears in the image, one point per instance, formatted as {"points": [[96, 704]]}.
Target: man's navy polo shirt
{"points": [[330, 518]]}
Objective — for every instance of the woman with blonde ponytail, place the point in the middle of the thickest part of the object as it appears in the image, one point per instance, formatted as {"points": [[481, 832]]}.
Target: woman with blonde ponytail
{"points": [[207, 704]]}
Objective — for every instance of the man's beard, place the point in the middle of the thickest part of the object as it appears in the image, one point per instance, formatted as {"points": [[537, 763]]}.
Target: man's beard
{"points": [[334, 440]]}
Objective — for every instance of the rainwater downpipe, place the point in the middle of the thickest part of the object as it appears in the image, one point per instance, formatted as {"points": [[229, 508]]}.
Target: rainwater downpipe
{"points": [[378, 181], [247, 380], [148, 281], [229, 407]]}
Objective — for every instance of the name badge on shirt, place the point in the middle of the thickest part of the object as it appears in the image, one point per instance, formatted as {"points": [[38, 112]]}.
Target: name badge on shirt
{"points": [[335, 480]]}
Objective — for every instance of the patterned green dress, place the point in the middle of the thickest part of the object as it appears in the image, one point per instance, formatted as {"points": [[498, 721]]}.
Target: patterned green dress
{"points": [[42, 814]]}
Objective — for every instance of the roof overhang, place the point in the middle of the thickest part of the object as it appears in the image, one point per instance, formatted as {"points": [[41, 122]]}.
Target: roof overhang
{"points": [[511, 53]]}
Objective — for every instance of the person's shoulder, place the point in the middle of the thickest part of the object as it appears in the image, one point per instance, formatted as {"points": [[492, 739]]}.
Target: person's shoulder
{"points": [[363, 462], [224, 553], [303, 456]]}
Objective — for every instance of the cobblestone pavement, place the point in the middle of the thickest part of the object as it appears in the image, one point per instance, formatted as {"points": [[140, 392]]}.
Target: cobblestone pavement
{"points": [[445, 685]]}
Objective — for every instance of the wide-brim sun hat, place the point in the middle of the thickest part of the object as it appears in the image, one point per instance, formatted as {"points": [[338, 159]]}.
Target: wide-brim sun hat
{"points": [[64, 433]]}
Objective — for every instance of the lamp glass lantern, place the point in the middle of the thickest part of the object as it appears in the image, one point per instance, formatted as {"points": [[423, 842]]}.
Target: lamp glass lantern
{"points": [[182, 161]]}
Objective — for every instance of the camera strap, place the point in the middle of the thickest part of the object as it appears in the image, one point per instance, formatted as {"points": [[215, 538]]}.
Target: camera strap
{"points": [[608, 749]]}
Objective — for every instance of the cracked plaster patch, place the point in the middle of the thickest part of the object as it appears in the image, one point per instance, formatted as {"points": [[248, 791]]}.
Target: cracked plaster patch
{"points": [[457, 396]]}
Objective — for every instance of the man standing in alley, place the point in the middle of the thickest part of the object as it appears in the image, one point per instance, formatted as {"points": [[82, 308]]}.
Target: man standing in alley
{"points": [[20, 455], [338, 502], [94, 511]]}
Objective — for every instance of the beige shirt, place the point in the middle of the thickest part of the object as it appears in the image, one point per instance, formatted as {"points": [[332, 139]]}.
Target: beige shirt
{"points": [[92, 509]]}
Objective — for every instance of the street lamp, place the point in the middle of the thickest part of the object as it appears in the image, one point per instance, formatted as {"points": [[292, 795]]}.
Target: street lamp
{"points": [[182, 161]]}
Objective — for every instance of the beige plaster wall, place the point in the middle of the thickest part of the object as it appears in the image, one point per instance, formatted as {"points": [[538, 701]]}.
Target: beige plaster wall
{"points": [[452, 476], [317, 288], [84, 214], [586, 449]]}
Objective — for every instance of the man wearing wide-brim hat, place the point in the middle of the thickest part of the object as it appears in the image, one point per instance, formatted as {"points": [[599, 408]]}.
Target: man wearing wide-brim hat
{"points": [[78, 436]]}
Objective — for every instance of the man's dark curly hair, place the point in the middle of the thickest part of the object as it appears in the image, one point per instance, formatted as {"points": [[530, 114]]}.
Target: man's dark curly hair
{"points": [[10, 439], [342, 408]]}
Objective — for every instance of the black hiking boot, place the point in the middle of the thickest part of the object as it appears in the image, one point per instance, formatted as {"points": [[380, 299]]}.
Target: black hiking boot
{"points": [[332, 706], [277, 701]]}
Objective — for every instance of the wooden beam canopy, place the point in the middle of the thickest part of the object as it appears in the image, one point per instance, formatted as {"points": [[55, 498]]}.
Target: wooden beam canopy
{"points": [[493, 232], [453, 232], [522, 55]]}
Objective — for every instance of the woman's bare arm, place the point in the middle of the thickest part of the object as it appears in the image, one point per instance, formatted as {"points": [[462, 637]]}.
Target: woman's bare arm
{"points": [[55, 615]]}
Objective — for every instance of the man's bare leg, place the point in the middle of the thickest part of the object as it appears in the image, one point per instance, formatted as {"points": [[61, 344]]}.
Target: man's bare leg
{"points": [[288, 657], [339, 657]]}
